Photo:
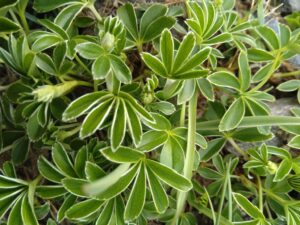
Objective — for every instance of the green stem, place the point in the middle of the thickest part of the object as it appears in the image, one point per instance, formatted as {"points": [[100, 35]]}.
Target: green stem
{"points": [[83, 65], [269, 75], [260, 194], [220, 207], [6, 148], [190, 154], [229, 194], [237, 148], [24, 22], [31, 189], [95, 12], [281, 75], [182, 115]]}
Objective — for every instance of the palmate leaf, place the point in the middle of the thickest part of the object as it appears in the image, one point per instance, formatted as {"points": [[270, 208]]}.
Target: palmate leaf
{"points": [[169, 67]]}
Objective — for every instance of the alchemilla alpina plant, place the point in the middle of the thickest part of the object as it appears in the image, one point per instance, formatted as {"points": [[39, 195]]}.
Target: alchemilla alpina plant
{"points": [[137, 114]]}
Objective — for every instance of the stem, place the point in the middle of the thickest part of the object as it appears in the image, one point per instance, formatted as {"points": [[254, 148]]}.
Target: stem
{"points": [[190, 154], [260, 194], [5, 149], [280, 75], [83, 65], [222, 197], [24, 22], [182, 115], [237, 148], [31, 189], [95, 12], [229, 193]]}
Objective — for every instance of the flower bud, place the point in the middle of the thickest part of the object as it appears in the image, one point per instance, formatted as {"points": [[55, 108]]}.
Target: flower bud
{"points": [[272, 167], [108, 41]]}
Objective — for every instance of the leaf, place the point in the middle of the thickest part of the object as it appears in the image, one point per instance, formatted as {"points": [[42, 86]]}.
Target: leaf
{"points": [[27, 212], [62, 160], [283, 170], [45, 42], [152, 13], [269, 36], [74, 186], [295, 142], [233, 115], [152, 140], [167, 49], [258, 55], [262, 73], [160, 123], [107, 213], [136, 199], [120, 69], [206, 88], [169, 176], [83, 209], [187, 91], [221, 38], [247, 206], [244, 71], [54, 28], [20, 150], [49, 171], [154, 64], [157, 26], [68, 202], [15, 217], [134, 124], [80, 161], [224, 79], [118, 126], [34, 130], [291, 85], [94, 120], [158, 193], [50, 191], [119, 186], [89, 50], [127, 15], [45, 63], [213, 148], [93, 171], [42, 6], [285, 34], [82, 104], [8, 26], [184, 50], [101, 67], [250, 135], [123, 155]]}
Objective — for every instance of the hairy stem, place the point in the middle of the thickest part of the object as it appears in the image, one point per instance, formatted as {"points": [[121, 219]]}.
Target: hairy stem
{"points": [[288, 74], [182, 115], [95, 12], [190, 154]]}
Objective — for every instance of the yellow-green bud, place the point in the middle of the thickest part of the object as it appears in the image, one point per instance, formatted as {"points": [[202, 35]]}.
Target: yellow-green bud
{"points": [[272, 167], [47, 93], [108, 41], [147, 97]]}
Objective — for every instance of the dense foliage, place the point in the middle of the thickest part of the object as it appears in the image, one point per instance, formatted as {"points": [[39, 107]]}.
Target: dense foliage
{"points": [[136, 117]]}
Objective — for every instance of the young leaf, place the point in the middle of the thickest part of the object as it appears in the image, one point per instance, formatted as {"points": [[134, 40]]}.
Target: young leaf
{"points": [[247, 206], [123, 155], [224, 79]]}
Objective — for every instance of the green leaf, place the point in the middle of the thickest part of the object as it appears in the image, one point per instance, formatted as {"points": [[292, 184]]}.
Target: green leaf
{"points": [[118, 126], [269, 36], [213, 148], [154, 64], [106, 214], [285, 34], [82, 104], [169, 176], [120, 69], [258, 55], [283, 170], [157, 26], [49, 171], [50, 191], [80, 161], [233, 115], [45, 42], [94, 120], [184, 50], [54, 28], [247, 206], [15, 217], [152, 13], [221, 38], [45, 63], [187, 91], [137, 196], [167, 49], [74, 186], [134, 124], [250, 135], [27, 212], [42, 6], [83, 209], [101, 67], [123, 155], [262, 73], [295, 142], [93, 171], [34, 130], [224, 79], [160, 123], [127, 15], [244, 71], [152, 140], [69, 201], [8, 26], [62, 160], [105, 191], [20, 150], [291, 85], [206, 89], [89, 50], [158, 193]]}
